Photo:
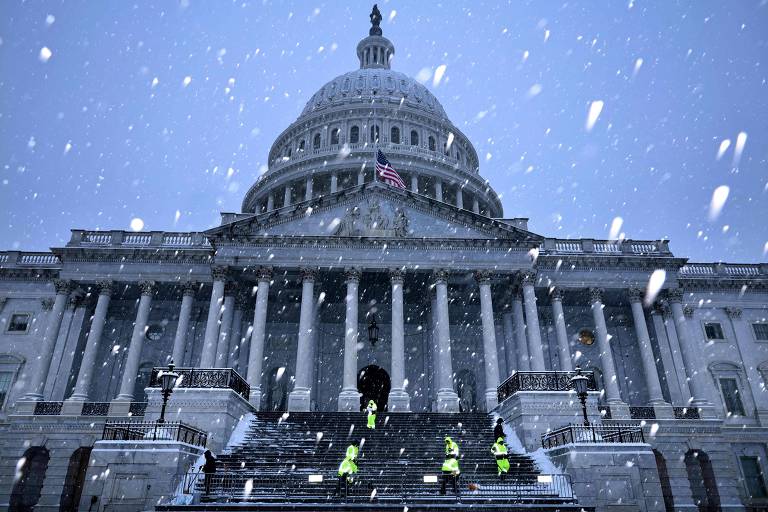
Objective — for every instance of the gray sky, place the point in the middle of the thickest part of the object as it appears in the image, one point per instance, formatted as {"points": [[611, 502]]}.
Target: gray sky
{"points": [[105, 130]]}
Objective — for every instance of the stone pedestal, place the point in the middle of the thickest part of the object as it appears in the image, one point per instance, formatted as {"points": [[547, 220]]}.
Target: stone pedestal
{"points": [[300, 400], [215, 411], [398, 401], [125, 476], [447, 401], [25, 407], [349, 401], [610, 476], [532, 413]]}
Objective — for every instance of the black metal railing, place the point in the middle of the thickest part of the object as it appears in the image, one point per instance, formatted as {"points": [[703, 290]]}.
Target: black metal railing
{"points": [[137, 408], [48, 408], [223, 378], [153, 431], [95, 409], [541, 381], [642, 413], [605, 411], [686, 413], [592, 434]]}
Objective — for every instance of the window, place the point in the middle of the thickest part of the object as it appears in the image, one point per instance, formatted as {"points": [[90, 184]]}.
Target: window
{"points": [[334, 136], [753, 477], [354, 135], [731, 397], [375, 133], [414, 138], [19, 322], [301, 145], [5, 387], [761, 331], [316, 141], [394, 135], [714, 331], [432, 145]]}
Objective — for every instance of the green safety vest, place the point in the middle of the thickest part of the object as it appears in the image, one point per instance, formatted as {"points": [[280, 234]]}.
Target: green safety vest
{"points": [[349, 464], [451, 463]]}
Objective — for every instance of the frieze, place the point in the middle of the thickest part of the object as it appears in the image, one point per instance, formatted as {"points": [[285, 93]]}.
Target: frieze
{"points": [[373, 222]]}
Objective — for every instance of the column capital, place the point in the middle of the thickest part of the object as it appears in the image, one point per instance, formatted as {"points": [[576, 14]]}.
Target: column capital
{"points": [[189, 289], [62, 286], [396, 276], [635, 295], [528, 278], [675, 295], [483, 276], [307, 274], [352, 275], [75, 301], [219, 272], [47, 303], [147, 287], [264, 273], [558, 293], [595, 295], [734, 313], [688, 311], [440, 276], [105, 287]]}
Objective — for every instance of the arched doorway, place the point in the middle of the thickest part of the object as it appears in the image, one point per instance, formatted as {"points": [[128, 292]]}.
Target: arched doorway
{"points": [[373, 383], [73, 484], [277, 390], [701, 478], [466, 388], [666, 486], [26, 490]]}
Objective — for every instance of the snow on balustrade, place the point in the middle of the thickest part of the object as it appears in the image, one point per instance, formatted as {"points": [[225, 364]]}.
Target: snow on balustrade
{"points": [[565, 246], [606, 247], [38, 259], [137, 239], [697, 269], [3, 258], [742, 270], [643, 248], [177, 239], [95, 237]]}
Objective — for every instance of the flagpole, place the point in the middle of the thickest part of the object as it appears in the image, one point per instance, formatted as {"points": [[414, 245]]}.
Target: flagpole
{"points": [[377, 135]]}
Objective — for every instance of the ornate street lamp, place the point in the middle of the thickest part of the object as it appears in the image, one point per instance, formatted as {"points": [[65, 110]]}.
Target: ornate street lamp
{"points": [[167, 381], [373, 331], [579, 383]]}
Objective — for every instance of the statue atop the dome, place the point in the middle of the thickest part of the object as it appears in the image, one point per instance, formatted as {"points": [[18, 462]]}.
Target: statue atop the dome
{"points": [[375, 21]]}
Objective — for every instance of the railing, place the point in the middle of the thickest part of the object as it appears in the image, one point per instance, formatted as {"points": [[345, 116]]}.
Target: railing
{"points": [[95, 409], [686, 413], [153, 431], [607, 247], [27, 259], [82, 238], [591, 434], [708, 270], [239, 486], [225, 378], [137, 408], [541, 381], [642, 413], [48, 408], [589, 246]]}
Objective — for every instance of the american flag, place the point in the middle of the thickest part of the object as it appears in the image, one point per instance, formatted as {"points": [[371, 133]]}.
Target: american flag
{"points": [[386, 172]]}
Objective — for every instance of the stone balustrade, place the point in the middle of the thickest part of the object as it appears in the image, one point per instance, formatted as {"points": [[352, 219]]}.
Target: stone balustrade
{"points": [[170, 239], [588, 246]]}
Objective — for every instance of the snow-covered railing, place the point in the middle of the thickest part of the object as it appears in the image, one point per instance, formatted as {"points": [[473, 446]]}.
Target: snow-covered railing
{"points": [[590, 246], [29, 259], [153, 431], [541, 381], [160, 239], [223, 378], [571, 434]]}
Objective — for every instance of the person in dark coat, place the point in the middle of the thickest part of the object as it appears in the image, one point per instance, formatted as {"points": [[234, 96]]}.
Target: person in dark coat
{"points": [[209, 468], [498, 430]]}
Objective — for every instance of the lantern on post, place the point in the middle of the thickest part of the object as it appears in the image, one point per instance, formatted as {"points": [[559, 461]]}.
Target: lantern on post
{"points": [[167, 381], [579, 383]]}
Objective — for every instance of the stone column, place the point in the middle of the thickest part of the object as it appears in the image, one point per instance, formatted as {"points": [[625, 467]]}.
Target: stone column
{"points": [[509, 340], [490, 351], [563, 349], [652, 382], [256, 354], [349, 399], [308, 189], [270, 202], [287, 195], [459, 197], [40, 376], [88, 363], [612, 394], [180, 340], [521, 343], [399, 400], [475, 205], [225, 331], [361, 176], [334, 182], [447, 398], [236, 338], [208, 355], [693, 361], [300, 398], [414, 183], [438, 189], [751, 360], [131, 368], [535, 348]]}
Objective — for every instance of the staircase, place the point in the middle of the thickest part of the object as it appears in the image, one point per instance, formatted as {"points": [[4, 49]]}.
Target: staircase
{"points": [[277, 466]]}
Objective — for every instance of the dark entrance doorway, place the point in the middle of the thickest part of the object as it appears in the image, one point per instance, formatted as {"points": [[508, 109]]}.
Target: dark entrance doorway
{"points": [[73, 483], [702, 480], [373, 383], [26, 490]]}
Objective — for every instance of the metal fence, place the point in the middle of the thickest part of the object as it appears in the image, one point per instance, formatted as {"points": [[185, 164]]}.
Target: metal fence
{"points": [[541, 381], [224, 378], [592, 434], [153, 431]]}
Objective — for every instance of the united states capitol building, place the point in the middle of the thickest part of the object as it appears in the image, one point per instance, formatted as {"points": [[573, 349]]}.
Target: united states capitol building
{"points": [[331, 287]]}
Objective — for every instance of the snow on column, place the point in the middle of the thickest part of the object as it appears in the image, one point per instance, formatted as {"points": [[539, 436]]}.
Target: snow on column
{"points": [[131, 368], [349, 398]]}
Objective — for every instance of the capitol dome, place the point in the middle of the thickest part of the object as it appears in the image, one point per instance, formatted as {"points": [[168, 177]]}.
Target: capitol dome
{"points": [[331, 146]]}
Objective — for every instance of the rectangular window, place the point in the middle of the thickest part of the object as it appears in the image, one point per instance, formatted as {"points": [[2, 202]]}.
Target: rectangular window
{"points": [[761, 331], [731, 397], [5, 387], [753, 477], [714, 331], [19, 322]]}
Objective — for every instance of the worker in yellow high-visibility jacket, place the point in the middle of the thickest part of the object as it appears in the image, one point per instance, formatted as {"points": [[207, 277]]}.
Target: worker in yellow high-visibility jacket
{"points": [[499, 450], [371, 410], [347, 468], [450, 467]]}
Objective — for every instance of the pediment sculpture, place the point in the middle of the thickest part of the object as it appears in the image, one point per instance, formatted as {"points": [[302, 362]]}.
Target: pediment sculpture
{"points": [[370, 219]]}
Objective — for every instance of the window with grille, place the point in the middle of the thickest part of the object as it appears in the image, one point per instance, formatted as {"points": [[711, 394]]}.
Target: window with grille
{"points": [[394, 136], [753, 477], [714, 331], [761, 331], [375, 133], [19, 322], [731, 396]]}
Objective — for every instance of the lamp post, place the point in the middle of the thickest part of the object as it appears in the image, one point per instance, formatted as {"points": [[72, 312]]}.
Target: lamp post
{"points": [[373, 331], [579, 384], [167, 380]]}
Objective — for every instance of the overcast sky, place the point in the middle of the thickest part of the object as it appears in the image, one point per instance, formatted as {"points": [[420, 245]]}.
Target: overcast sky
{"points": [[112, 111]]}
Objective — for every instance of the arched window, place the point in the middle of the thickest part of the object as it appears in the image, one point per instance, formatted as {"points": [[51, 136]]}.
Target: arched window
{"points": [[73, 483], [316, 141], [26, 490], [354, 135], [394, 135], [289, 153], [414, 138], [374, 133], [432, 145], [666, 486], [301, 145], [334, 136], [701, 478]]}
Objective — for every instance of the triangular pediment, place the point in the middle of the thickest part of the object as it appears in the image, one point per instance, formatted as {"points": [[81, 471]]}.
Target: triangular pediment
{"points": [[373, 210]]}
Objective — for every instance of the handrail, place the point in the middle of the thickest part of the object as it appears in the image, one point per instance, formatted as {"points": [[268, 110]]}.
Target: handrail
{"points": [[153, 431], [571, 434], [541, 381], [224, 378]]}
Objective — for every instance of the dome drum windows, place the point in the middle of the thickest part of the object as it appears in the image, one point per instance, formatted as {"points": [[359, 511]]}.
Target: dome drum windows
{"points": [[375, 134], [414, 138], [394, 135], [316, 141], [432, 144], [301, 146], [335, 136], [354, 135]]}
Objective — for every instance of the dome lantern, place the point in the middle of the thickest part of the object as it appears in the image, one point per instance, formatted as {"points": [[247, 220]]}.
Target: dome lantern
{"points": [[375, 51]]}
